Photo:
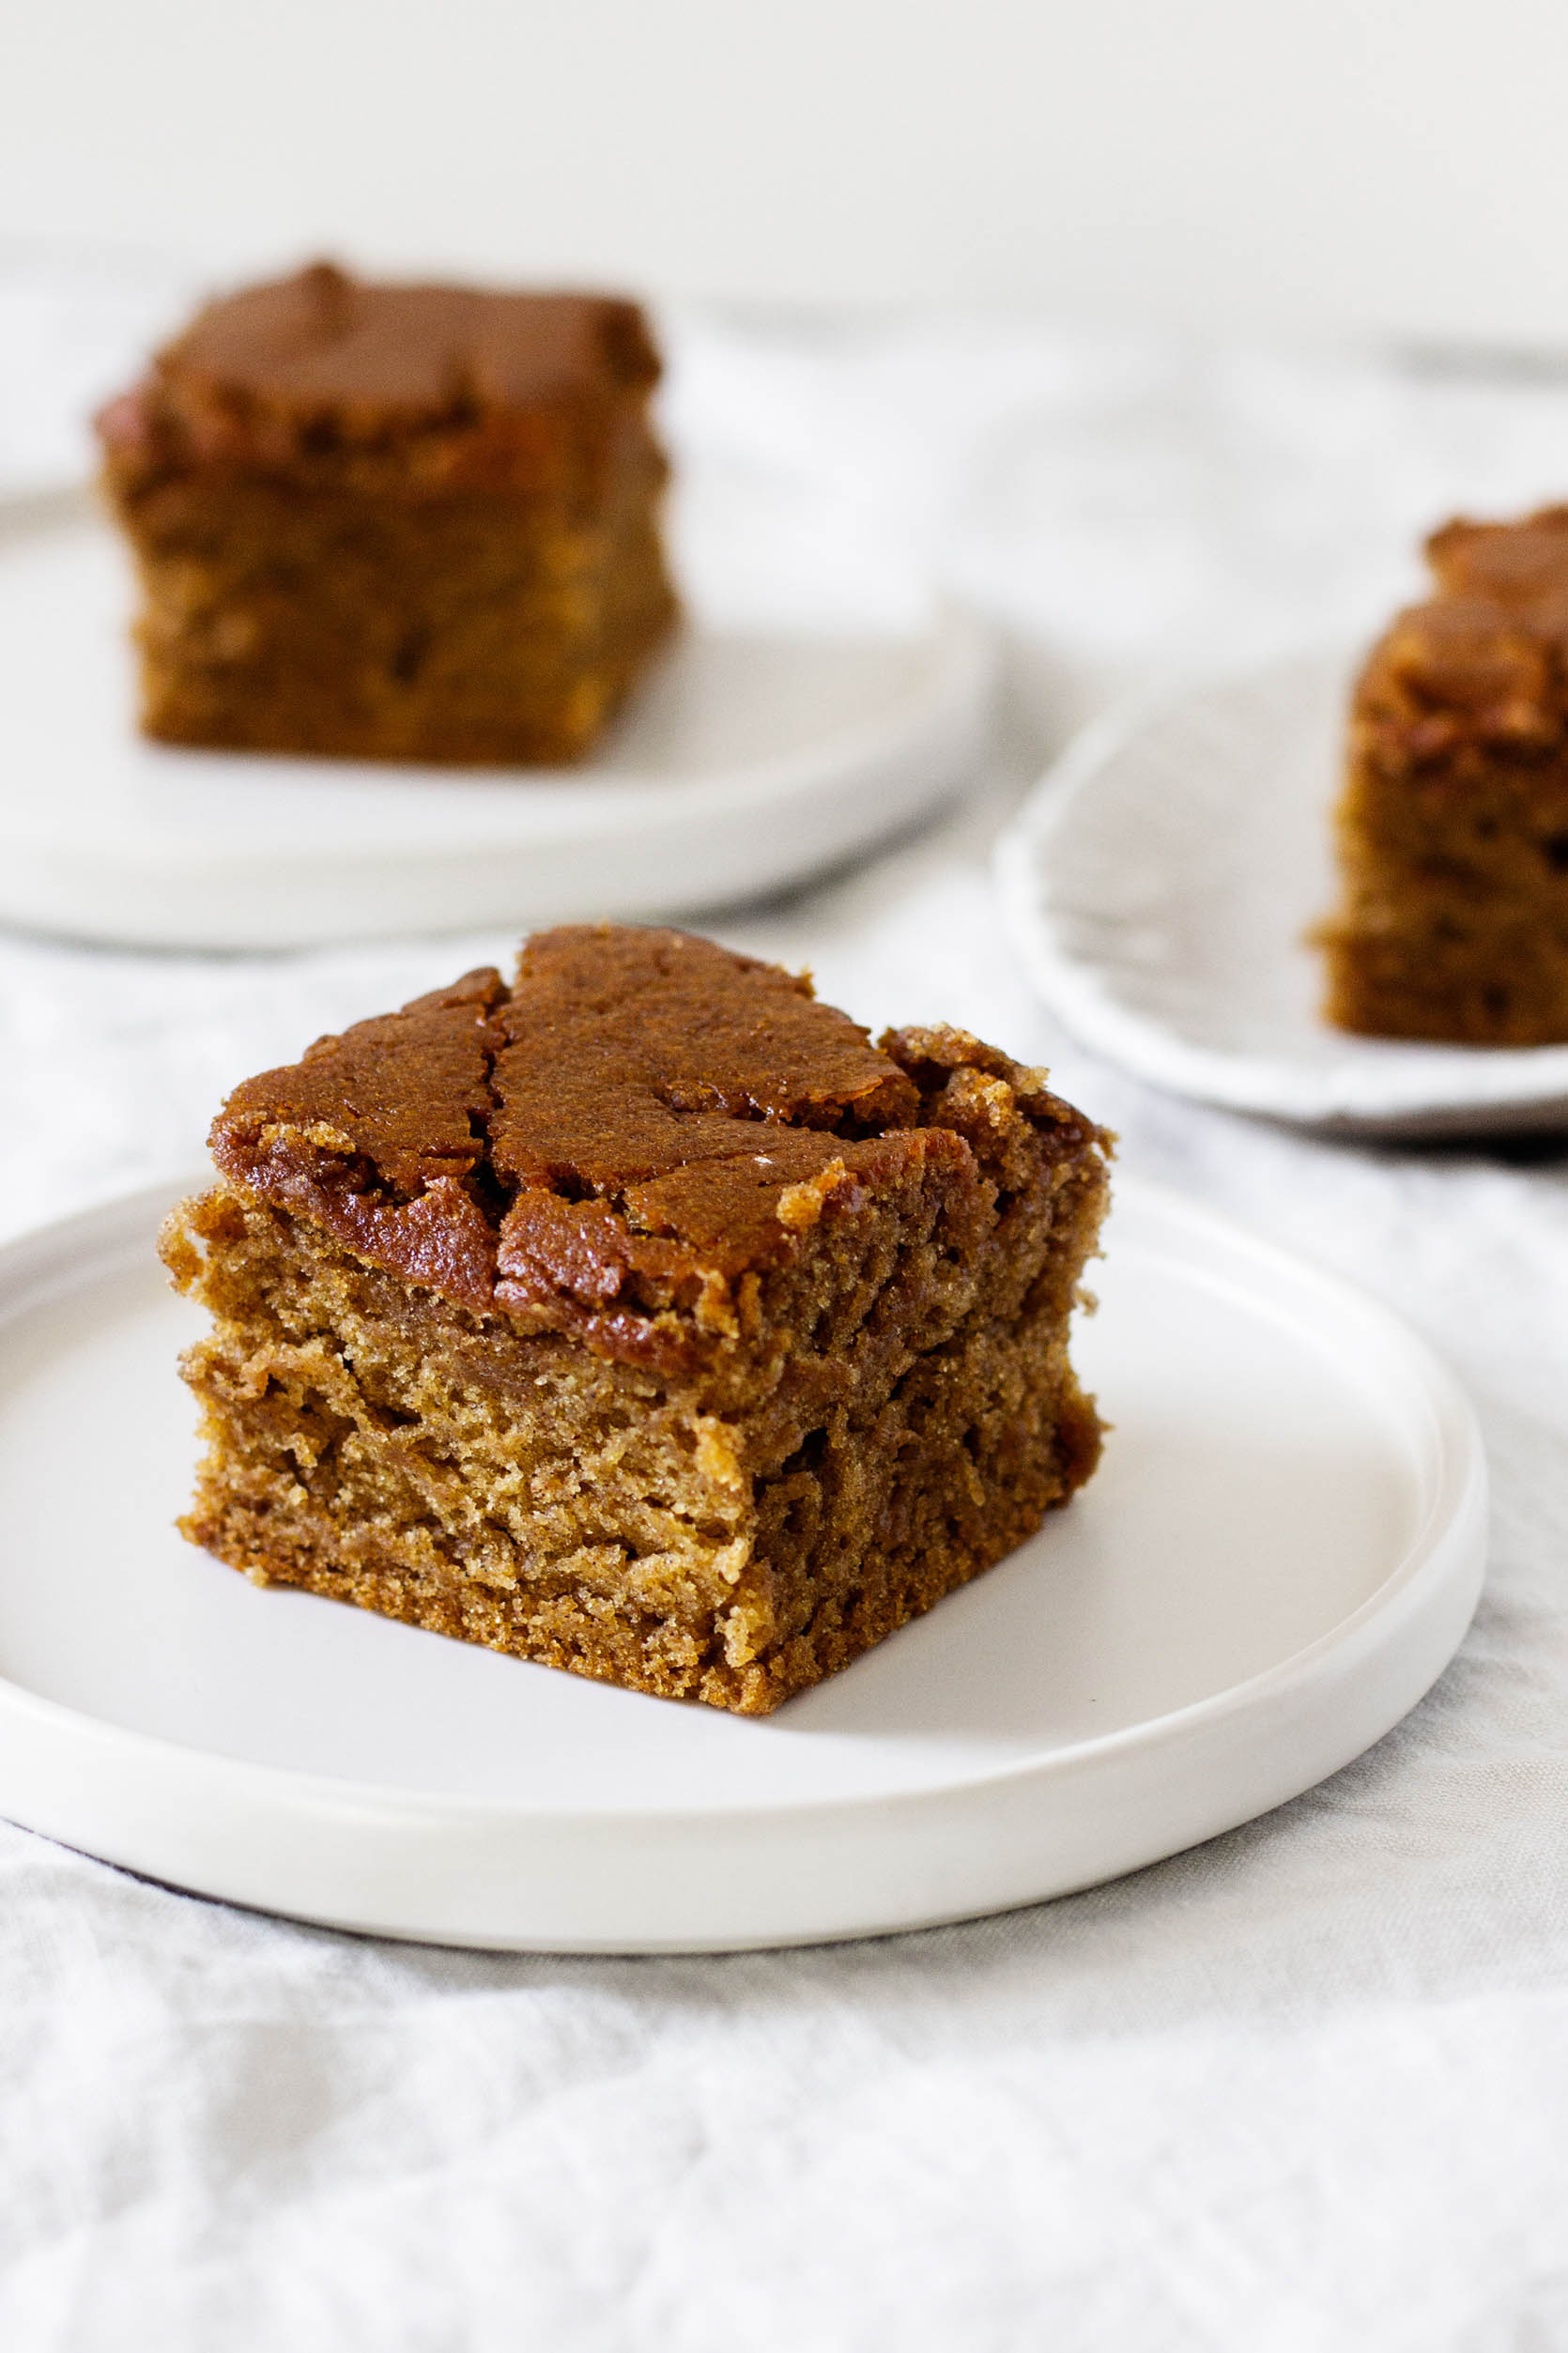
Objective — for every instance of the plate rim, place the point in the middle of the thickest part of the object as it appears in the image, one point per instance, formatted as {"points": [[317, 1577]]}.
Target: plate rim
{"points": [[31, 1264], [1076, 992]]}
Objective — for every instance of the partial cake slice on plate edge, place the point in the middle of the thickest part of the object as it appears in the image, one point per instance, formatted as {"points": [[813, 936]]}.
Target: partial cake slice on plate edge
{"points": [[1164, 883]]}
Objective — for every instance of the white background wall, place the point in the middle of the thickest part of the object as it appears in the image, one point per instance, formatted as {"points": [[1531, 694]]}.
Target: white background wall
{"points": [[1310, 165]]}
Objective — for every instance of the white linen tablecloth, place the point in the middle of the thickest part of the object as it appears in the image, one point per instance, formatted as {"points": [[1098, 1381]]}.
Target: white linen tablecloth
{"points": [[1304, 2088]]}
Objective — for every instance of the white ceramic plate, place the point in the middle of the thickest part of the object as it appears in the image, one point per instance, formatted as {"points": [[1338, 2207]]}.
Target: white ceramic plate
{"points": [[1279, 1555], [743, 764], [1160, 884]]}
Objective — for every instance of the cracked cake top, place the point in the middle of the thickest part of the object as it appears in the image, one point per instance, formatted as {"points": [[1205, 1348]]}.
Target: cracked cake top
{"points": [[615, 1142]]}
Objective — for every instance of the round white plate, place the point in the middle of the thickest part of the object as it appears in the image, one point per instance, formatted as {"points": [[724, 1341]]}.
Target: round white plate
{"points": [[1161, 883], [743, 764], [1280, 1553]]}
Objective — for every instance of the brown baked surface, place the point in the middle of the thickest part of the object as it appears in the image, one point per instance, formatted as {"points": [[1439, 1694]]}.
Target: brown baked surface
{"points": [[1452, 830], [393, 522], [641, 1317]]}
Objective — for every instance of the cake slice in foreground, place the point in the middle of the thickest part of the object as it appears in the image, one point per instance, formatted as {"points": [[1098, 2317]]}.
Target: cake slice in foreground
{"points": [[642, 1317], [1452, 827]]}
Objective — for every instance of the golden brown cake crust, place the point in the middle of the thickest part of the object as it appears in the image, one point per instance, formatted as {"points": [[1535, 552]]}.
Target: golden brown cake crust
{"points": [[1452, 827], [615, 1143], [424, 389], [323, 340], [701, 1376]]}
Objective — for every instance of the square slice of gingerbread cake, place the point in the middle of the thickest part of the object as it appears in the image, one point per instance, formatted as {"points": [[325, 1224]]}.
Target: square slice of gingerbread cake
{"points": [[393, 522], [1452, 830], [641, 1317]]}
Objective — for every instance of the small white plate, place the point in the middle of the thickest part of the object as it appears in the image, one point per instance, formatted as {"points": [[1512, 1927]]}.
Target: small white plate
{"points": [[1160, 884], [743, 763], [1280, 1553]]}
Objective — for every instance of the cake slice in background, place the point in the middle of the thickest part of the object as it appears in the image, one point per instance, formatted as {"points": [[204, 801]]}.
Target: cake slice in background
{"points": [[641, 1317], [395, 522], [1452, 826]]}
